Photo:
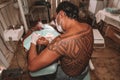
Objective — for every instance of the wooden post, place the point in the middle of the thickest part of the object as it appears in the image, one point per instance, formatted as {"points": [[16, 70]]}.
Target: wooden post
{"points": [[22, 15]]}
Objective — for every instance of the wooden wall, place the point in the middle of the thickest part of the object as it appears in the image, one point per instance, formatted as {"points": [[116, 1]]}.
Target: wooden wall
{"points": [[8, 17], [54, 4]]}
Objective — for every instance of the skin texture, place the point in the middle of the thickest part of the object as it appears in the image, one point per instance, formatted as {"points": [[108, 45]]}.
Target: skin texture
{"points": [[75, 51]]}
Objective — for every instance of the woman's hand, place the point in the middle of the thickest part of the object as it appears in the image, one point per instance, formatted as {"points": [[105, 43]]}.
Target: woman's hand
{"points": [[42, 41]]}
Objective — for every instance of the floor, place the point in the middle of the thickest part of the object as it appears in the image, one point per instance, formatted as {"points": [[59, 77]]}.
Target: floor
{"points": [[105, 60]]}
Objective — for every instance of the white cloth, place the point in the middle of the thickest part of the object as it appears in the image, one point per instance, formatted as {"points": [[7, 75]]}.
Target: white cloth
{"points": [[49, 37], [100, 16], [103, 14], [34, 38], [47, 31]]}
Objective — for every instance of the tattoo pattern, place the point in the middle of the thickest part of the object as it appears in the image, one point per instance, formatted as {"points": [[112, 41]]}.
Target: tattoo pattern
{"points": [[75, 51]]}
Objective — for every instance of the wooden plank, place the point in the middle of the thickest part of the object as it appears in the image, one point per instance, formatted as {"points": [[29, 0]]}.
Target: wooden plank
{"points": [[3, 48], [1, 65], [3, 45], [6, 46], [9, 57], [2, 21], [5, 16], [8, 15], [12, 18], [16, 16], [4, 4], [6, 50], [53, 7], [3, 59], [29, 3], [49, 8], [1, 28]]}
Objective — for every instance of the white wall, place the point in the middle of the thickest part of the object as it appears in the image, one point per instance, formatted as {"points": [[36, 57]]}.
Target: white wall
{"points": [[114, 3], [96, 5]]}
